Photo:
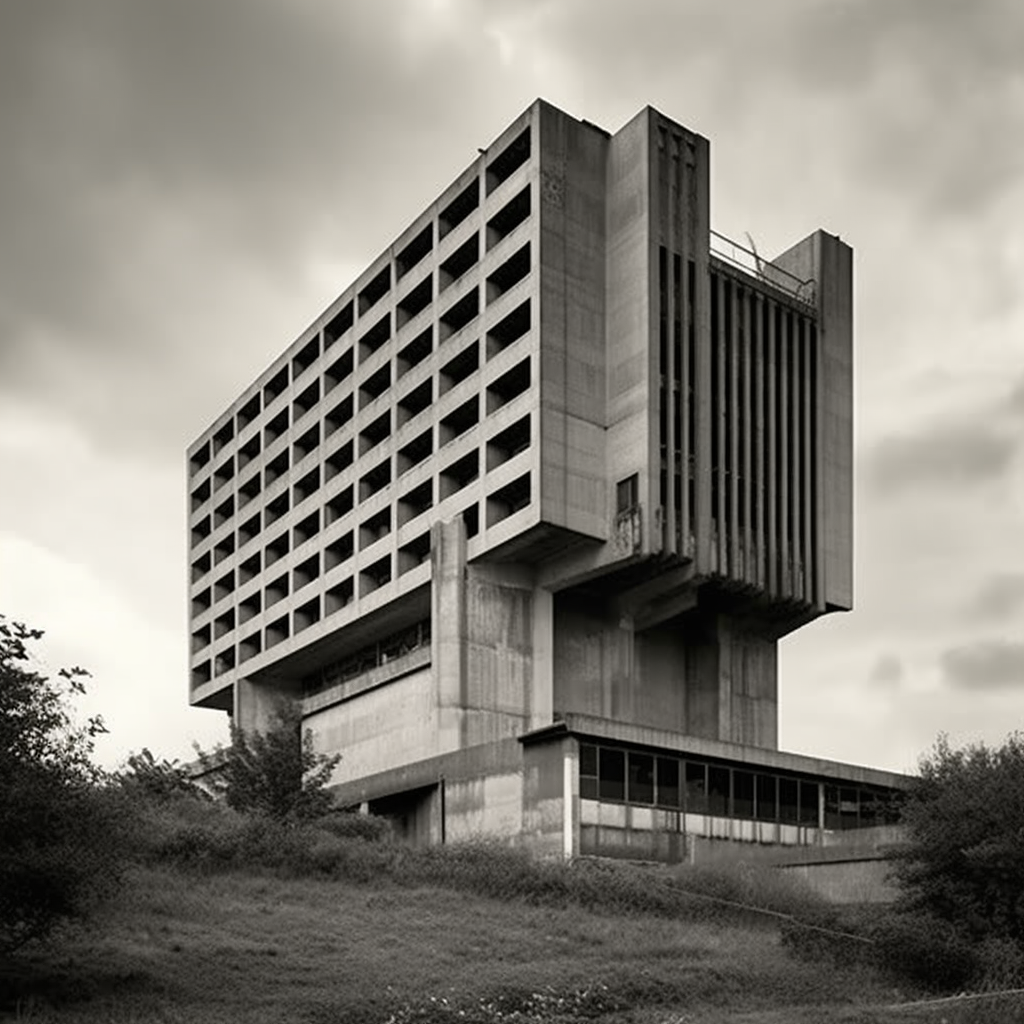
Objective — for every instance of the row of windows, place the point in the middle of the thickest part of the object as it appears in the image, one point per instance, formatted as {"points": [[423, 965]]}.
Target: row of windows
{"points": [[502, 503], [369, 657], [409, 305], [455, 475], [409, 403], [700, 786]]}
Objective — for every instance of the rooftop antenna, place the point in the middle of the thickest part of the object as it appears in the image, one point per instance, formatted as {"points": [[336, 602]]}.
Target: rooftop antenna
{"points": [[758, 262]]}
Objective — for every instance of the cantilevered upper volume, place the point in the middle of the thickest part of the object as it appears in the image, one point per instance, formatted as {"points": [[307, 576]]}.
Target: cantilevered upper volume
{"points": [[560, 450]]}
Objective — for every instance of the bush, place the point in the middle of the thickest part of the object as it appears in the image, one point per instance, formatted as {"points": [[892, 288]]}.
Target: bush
{"points": [[276, 772], [62, 836]]}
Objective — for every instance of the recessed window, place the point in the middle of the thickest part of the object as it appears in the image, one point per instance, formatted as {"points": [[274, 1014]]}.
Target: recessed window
{"points": [[375, 480], [460, 367], [275, 591], [611, 774], [201, 566], [374, 386], [415, 251], [276, 632], [378, 286], [459, 474], [200, 457], [375, 576], [508, 443], [509, 329], [249, 451], [306, 356], [458, 421], [375, 432], [249, 490], [375, 528], [249, 647], [275, 509], [338, 597], [508, 500], [276, 549], [508, 218], [415, 502], [223, 473], [306, 401], [415, 400], [249, 530], [224, 548], [307, 486], [463, 312], [340, 505], [509, 385], [202, 673], [509, 274], [307, 444], [375, 337], [416, 351], [200, 495], [276, 386], [275, 428], [201, 602], [508, 161], [640, 778], [627, 494], [276, 467], [339, 370], [305, 530], [224, 586], [414, 553], [223, 436], [224, 661], [471, 517], [339, 550], [415, 301], [339, 460], [248, 412], [224, 623], [249, 607], [202, 530], [201, 639], [306, 615], [341, 322], [304, 573], [462, 259], [338, 416], [413, 453], [459, 208], [249, 569]]}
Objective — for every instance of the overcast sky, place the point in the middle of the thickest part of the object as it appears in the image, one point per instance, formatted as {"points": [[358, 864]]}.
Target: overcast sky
{"points": [[185, 184]]}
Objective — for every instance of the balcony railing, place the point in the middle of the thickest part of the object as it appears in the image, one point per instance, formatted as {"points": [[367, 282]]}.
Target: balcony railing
{"points": [[751, 262]]}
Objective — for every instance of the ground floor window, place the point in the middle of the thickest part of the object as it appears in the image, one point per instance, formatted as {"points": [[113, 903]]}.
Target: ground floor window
{"points": [[705, 786]]}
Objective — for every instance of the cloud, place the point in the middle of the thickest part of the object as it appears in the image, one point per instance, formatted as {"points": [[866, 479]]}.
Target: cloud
{"points": [[986, 664], [1015, 400], [946, 456], [887, 671], [1000, 595]]}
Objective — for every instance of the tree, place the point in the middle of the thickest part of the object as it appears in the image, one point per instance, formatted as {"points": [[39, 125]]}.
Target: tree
{"points": [[144, 775], [276, 772], [964, 857], [59, 835]]}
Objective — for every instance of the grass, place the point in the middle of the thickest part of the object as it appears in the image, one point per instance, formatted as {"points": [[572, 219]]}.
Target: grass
{"points": [[226, 918], [182, 946]]}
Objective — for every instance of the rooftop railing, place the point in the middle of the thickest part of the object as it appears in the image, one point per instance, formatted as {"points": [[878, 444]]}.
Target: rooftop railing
{"points": [[751, 262]]}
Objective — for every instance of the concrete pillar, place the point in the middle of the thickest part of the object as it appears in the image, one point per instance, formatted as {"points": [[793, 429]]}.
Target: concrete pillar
{"points": [[448, 631], [542, 692], [254, 705]]}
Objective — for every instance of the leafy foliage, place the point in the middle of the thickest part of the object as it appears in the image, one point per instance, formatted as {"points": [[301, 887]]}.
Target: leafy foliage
{"points": [[964, 860], [276, 772], [145, 775], [59, 832]]}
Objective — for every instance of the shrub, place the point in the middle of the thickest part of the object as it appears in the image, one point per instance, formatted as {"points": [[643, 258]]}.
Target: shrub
{"points": [[62, 837]]}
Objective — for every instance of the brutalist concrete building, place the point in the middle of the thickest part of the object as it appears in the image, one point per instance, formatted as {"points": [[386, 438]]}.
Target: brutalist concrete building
{"points": [[522, 516]]}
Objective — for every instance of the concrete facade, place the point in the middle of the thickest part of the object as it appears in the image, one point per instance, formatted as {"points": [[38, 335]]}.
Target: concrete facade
{"points": [[534, 500]]}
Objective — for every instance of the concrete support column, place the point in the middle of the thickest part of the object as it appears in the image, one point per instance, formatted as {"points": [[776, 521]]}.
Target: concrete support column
{"points": [[448, 630], [542, 691], [254, 706]]}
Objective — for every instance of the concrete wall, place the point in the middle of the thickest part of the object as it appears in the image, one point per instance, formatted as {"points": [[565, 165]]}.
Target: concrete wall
{"points": [[572, 356]]}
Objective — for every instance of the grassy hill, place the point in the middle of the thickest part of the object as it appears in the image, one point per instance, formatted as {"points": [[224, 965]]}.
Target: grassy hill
{"points": [[227, 920]]}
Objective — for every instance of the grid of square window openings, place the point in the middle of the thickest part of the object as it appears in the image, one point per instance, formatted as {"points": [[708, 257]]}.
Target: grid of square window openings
{"points": [[703, 786], [413, 396]]}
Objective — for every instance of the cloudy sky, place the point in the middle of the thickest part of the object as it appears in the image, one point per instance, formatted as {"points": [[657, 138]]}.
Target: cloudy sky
{"points": [[185, 184]]}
